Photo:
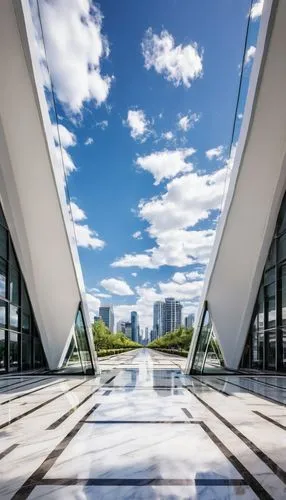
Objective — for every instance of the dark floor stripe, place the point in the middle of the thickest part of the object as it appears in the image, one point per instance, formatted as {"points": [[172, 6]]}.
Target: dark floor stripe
{"points": [[38, 407], [26, 489], [8, 450], [247, 476], [211, 386], [32, 391], [257, 394], [7, 388], [60, 420], [187, 412], [143, 387], [119, 422], [107, 393], [269, 419], [259, 453], [143, 482]]}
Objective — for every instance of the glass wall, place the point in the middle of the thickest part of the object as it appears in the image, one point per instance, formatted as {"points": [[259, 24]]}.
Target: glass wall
{"points": [[20, 346], [208, 357], [265, 347], [78, 356]]}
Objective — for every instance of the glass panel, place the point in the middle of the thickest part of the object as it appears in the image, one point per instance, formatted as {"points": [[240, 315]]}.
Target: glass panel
{"points": [[82, 343], [14, 352], [2, 218], [270, 350], [202, 343], [72, 362], [12, 256], [281, 222], [2, 350], [282, 248], [14, 317], [214, 359], [26, 323], [14, 286], [26, 352], [284, 349], [3, 278], [3, 313], [269, 276], [271, 257], [3, 242], [39, 358]]}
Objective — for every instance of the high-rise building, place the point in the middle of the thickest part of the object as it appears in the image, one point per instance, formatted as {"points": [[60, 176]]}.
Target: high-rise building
{"points": [[128, 329], [41, 286], [107, 315], [173, 314], [159, 313], [134, 326], [189, 320], [120, 326], [96, 318]]}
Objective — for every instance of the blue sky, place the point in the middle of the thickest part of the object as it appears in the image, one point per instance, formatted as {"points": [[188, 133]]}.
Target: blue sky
{"points": [[145, 95]]}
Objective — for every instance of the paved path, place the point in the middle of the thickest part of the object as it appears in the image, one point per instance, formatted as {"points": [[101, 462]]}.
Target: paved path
{"points": [[143, 430]]}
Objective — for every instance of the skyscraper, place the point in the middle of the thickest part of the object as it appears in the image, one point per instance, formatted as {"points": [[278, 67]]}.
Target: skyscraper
{"points": [[189, 320], [134, 326], [159, 310], [107, 315], [173, 314]]}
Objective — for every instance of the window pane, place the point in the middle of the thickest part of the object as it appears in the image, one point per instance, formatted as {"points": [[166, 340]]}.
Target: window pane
{"points": [[3, 313], [2, 218], [3, 242], [14, 317], [14, 286], [26, 352], [39, 360], [14, 354], [202, 342], [26, 323], [82, 343], [282, 247], [3, 278], [271, 257], [2, 351]]}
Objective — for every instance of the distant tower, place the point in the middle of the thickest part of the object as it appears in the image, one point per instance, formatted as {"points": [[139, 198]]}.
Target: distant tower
{"points": [[107, 315], [159, 311], [134, 326]]}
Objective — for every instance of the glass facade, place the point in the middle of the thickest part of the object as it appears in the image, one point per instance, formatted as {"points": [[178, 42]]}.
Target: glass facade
{"points": [[265, 348], [208, 357], [78, 356], [20, 346]]}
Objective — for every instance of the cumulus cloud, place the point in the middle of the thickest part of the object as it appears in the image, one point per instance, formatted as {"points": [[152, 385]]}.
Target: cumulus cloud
{"points": [[116, 286], [177, 63], [138, 124], [88, 141], [168, 135], [137, 235], [181, 278], [134, 275], [103, 124], [215, 153], [173, 215], [93, 304], [84, 235], [63, 135], [256, 10], [249, 54], [75, 47], [185, 122], [166, 164]]}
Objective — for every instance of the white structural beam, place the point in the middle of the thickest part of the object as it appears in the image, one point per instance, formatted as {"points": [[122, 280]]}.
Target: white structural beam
{"points": [[257, 186], [31, 187]]}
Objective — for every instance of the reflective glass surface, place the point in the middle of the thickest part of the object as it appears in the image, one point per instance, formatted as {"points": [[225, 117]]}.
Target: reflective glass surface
{"points": [[13, 351], [2, 351]]}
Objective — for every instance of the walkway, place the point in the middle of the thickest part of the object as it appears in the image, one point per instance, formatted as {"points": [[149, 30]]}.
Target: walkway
{"points": [[142, 430]]}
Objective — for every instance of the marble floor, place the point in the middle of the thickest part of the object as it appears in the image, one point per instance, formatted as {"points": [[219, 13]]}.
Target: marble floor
{"points": [[143, 430]]}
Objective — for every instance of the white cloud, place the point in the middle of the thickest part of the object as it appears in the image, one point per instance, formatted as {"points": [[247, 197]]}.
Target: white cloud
{"points": [[63, 157], [134, 275], [173, 215], [137, 235], [215, 153], [177, 63], [88, 141], [77, 213], [104, 295], [256, 10], [63, 135], [168, 135], [249, 54], [240, 116], [166, 164], [103, 124], [116, 286], [138, 123], [181, 278], [75, 47], [185, 122], [87, 237]]}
